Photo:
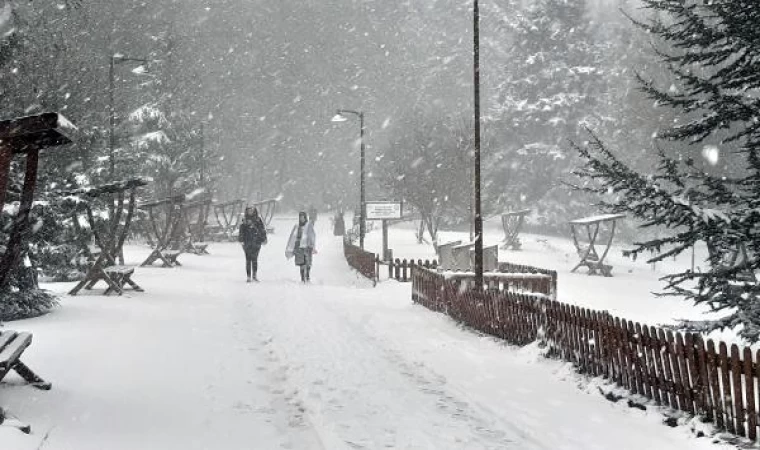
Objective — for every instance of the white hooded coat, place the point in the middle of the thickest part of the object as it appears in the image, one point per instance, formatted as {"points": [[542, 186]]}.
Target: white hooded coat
{"points": [[308, 239]]}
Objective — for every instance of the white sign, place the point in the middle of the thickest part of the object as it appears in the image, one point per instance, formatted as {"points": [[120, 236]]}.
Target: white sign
{"points": [[383, 210]]}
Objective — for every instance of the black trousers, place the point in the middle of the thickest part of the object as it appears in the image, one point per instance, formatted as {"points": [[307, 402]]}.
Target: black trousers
{"points": [[251, 259], [305, 272]]}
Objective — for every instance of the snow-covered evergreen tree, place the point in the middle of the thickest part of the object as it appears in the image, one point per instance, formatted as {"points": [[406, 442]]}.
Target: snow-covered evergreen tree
{"points": [[551, 85], [712, 49]]}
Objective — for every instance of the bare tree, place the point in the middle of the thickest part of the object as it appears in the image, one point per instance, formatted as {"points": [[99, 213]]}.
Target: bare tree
{"points": [[423, 167]]}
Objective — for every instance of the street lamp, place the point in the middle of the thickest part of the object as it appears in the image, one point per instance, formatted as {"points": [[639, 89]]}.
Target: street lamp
{"points": [[341, 117], [476, 88], [117, 58]]}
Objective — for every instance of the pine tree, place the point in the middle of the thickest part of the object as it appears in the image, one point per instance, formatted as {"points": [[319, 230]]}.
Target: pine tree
{"points": [[713, 50]]}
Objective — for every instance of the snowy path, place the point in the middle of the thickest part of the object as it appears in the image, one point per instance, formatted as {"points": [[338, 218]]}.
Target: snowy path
{"points": [[203, 360]]}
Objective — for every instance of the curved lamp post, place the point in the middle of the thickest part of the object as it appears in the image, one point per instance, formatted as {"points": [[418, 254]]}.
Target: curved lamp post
{"points": [[26, 135], [341, 117]]}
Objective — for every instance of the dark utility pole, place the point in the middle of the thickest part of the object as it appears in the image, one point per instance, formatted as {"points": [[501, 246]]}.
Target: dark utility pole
{"points": [[362, 196], [478, 214], [341, 117]]}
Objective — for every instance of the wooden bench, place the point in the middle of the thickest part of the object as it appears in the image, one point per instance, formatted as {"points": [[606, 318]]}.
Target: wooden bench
{"points": [[119, 276], [197, 249], [12, 345], [114, 276]]}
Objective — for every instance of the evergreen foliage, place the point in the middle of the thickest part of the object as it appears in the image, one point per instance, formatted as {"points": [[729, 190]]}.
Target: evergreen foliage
{"points": [[713, 50]]}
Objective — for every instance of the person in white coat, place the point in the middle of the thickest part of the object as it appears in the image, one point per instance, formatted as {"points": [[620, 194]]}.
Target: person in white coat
{"points": [[302, 245]]}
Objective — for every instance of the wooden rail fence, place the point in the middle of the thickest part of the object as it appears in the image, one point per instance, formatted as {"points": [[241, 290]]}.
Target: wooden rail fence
{"points": [[679, 370]]}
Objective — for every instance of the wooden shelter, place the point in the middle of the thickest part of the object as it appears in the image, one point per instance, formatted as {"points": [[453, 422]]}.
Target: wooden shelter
{"points": [[27, 136]]}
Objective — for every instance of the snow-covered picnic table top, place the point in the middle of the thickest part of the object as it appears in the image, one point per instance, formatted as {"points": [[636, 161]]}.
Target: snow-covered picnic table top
{"points": [[596, 219], [520, 212]]}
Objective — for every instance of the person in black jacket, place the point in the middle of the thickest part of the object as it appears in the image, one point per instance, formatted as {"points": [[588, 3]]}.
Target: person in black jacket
{"points": [[253, 235]]}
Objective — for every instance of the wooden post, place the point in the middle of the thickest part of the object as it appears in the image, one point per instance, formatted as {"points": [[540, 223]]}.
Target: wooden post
{"points": [[385, 240], [26, 135], [6, 154], [21, 224]]}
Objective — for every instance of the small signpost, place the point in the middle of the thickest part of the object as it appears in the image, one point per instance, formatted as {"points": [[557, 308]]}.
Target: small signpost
{"points": [[384, 211]]}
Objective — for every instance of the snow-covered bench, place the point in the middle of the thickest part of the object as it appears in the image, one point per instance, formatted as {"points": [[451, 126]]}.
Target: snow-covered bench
{"points": [[119, 276], [197, 248], [114, 276], [171, 257], [12, 345]]}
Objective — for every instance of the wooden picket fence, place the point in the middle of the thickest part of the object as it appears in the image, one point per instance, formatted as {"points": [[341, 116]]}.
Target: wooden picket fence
{"points": [[506, 267], [676, 370], [495, 282], [401, 269], [522, 278], [361, 260]]}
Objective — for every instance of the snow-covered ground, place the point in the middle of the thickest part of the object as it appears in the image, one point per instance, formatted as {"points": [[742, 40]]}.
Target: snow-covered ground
{"points": [[202, 360], [629, 294]]}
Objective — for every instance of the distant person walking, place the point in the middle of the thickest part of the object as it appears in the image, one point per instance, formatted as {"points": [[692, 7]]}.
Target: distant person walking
{"points": [[301, 245], [253, 235]]}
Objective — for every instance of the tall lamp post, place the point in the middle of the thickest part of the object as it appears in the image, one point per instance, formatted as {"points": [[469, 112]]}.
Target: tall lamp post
{"points": [[115, 59], [341, 117], [476, 83]]}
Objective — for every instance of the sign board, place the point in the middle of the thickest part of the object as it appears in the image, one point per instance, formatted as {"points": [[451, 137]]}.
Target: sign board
{"points": [[383, 210]]}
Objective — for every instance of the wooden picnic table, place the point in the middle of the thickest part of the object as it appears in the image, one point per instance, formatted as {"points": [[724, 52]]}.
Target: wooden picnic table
{"points": [[165, 217], [512, 223], [228, 215], [587, 251], [109, 235], [195, 229], [737, 258], [267, 209], [12, 346]]}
